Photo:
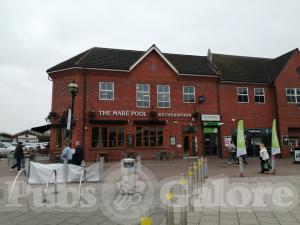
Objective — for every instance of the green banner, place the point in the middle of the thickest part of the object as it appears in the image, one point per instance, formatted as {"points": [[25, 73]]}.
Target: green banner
{"points": [[241, 146], [275, 142]]}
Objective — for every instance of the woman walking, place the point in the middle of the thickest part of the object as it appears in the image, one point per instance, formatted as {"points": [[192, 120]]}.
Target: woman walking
{"points": [[19, 155], [264, 158]]}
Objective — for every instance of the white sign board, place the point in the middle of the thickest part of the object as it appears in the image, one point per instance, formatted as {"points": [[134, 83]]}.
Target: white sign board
{"points": [[208, 117], [227, 140]]}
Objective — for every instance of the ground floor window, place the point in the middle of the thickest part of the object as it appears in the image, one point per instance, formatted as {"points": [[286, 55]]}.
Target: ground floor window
{"points": [[108, 137], [149, 136]]}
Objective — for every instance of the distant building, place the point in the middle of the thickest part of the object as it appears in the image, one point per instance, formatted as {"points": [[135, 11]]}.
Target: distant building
{"points": [[29, 136], [5, 137]]}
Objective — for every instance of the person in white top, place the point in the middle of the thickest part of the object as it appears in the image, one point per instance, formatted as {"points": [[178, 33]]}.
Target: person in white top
{"points": [[264, 157], [232, 153]]}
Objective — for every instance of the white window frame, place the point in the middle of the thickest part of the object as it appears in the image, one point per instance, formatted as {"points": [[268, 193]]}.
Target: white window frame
{"points": [[157, 93], [144, 92], [295, 95], [183, 93], [237, 91], [113, 91], [260, 96]]}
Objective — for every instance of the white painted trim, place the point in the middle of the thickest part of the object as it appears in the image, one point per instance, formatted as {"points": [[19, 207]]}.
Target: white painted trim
{"points": [[113, 89], [83, 68], [186, 93], [237, 92], [136, 92], [244, 82], [163, 92], [260, 95], [295, 95], [153, 48], [195, 75]]}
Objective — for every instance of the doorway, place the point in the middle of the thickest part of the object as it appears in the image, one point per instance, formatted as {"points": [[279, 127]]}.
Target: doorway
{"points": [[211, 141], [189, 145]]}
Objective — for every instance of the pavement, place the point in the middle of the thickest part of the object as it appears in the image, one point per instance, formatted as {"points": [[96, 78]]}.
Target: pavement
{"points": [[223, 199]]}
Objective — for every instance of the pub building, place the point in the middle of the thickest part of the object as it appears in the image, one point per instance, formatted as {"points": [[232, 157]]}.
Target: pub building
{"points": [[152, 103]]}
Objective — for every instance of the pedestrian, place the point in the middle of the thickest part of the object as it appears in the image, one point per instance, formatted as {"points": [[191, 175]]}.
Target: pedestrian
{"points": [[67, 152], [78, 156], [264, 158], [18, 155], [291, 147], [232, 152]]}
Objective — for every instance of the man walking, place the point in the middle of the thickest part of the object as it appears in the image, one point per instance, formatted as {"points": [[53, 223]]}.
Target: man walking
{"points": [[19, 155], [78, 156], [232, 152]]}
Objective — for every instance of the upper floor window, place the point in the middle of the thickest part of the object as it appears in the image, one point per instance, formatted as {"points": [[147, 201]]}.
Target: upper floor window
{"points": [[143, 95], [292, 95], [259, 95], [106, 91], [242, 93], [188, 94], [163, 96]]}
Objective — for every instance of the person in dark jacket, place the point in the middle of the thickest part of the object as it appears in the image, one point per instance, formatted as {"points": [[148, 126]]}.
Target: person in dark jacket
{"points": [[19, 155], [78, 155]]}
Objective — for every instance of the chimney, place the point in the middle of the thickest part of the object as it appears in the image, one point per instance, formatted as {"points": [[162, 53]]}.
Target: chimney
{"points": [[209, 55]]}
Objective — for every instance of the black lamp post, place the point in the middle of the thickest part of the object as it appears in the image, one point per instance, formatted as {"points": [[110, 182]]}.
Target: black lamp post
{"points": [[73, 88]]}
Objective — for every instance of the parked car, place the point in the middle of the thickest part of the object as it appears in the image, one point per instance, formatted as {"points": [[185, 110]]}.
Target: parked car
{"points": [[6, 148]]}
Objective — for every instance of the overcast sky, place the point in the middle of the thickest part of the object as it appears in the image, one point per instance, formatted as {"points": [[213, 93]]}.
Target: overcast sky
{"points": [[38, 34]]}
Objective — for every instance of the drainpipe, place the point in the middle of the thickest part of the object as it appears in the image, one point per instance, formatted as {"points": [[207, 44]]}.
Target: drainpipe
{"points": [[84, 113], [220, 133]]}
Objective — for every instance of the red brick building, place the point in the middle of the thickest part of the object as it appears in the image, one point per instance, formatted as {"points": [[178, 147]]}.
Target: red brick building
{"points": [[148, 102]]}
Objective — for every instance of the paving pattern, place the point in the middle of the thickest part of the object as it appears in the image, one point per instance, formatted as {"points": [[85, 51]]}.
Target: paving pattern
{"points": [[221, 201]]}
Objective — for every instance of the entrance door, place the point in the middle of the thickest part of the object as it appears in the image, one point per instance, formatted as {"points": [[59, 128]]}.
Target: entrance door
{"points": [[189, 145], [211, 142]]}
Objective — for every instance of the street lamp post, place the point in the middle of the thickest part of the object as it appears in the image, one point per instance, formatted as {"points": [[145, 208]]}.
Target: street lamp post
{"points": [[73, 88]]}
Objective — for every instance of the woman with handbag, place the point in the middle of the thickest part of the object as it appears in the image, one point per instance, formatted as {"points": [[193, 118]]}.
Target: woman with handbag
{"points": [[264, 158]]}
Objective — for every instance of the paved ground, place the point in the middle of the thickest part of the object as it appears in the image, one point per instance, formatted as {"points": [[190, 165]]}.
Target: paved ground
{"points": [[225, 198]]}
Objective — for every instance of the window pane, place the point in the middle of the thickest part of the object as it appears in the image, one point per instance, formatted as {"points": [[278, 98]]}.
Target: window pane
{"points": [[298, 91], [103, 137], [139, 136], [109, 95], [95, 136], [121, 137], [160, 136], [103, 86], [153, 136], [112, 137], [109, 86], [146, 137]]}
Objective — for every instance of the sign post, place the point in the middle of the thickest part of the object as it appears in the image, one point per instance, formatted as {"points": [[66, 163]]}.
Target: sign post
{"points": [[241, 146], [275, 146]]}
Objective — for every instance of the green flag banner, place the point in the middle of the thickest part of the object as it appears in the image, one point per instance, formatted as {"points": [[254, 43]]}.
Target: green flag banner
{"points": [[275, 142], [241, 146]]}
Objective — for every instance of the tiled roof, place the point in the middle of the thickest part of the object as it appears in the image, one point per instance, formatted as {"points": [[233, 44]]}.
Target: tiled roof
{"points": [[241, 68], [250, 69], [230, 67], [119, 59]]}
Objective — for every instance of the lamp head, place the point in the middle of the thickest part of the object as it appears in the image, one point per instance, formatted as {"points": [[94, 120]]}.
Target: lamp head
{"points": [[73, 88]]}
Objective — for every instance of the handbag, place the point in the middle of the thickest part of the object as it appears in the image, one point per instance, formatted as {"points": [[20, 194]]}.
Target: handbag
{"points": [[266, 166]]}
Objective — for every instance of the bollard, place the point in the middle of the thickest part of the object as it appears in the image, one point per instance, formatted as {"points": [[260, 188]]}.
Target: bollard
{"points": [[145, 217], [169, 209], [241, 164], [205, 168], [27, 165], [190, 188], [202, 169], [273, 164], [195, 178], [101, 168], [139, 166], [200, 174], [183, 194], [65, 169]]}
